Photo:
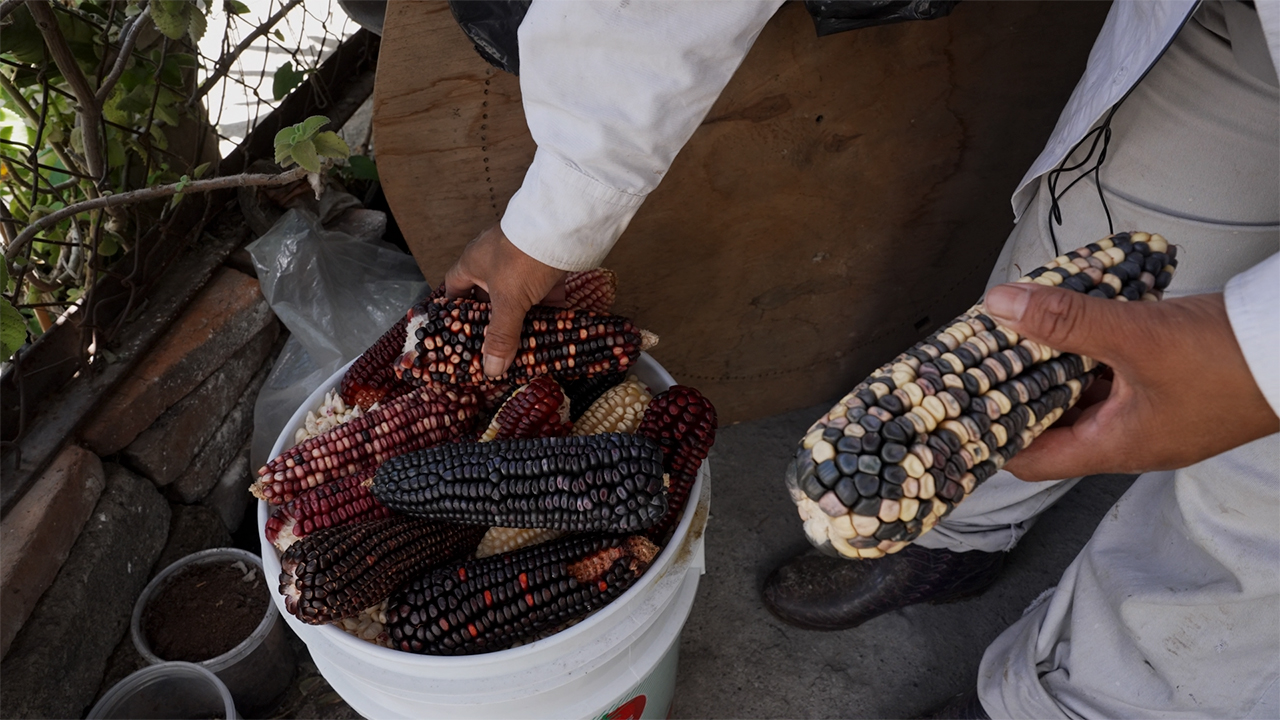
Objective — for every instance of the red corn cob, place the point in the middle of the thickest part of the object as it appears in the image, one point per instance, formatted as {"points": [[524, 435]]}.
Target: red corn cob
{"points": [[683, 422], [410, 422], [339, 571], [372, 376], [445, 338], [491, 604], [538, 409], [592, 290], [341, 502]]}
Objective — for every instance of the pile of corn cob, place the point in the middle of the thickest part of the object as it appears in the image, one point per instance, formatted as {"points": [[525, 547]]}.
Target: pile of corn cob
{"points": [[403, 516], [912, 441]]}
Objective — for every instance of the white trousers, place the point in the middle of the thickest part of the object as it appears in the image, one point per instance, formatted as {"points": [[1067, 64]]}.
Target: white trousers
{"points": [[1173, 607]]}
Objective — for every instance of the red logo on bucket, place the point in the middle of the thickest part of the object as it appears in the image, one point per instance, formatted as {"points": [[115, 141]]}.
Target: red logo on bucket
{"points": [[630, 710]]}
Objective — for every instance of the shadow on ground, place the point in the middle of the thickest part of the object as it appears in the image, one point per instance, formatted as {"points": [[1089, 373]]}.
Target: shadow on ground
{"points": [[737, 660]]}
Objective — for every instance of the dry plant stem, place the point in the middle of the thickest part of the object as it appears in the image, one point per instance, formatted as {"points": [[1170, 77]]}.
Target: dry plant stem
{"points": [[122, 58], [88, 108], [151, 193], [229, 59]]}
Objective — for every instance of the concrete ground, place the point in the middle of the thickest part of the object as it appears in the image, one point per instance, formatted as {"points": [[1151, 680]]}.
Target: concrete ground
{"points": [[737, 660]]}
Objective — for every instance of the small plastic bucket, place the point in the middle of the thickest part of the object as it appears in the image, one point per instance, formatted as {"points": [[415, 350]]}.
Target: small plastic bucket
{"points": [[620, 663], [167, 690], [259, 669]]}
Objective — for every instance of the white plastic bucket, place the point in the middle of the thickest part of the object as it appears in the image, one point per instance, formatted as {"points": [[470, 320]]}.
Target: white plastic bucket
{"points": [[166, 690], [619, 664]]}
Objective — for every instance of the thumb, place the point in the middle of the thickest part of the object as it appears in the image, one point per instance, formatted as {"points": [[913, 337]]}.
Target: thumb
{"points": [[1064, 320], [502, 336]]}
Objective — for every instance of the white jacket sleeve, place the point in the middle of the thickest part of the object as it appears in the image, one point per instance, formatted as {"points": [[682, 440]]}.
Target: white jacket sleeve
{"points": [[1253, 306], [612, 90]]}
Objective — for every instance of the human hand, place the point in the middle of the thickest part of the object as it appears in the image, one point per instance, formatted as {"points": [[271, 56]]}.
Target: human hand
{"points": [[512, 281], [1181, 390]]}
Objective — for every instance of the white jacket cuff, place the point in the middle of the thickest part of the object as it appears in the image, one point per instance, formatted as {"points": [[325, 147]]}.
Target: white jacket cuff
{"points": [[564, 218], [1253, 306]]}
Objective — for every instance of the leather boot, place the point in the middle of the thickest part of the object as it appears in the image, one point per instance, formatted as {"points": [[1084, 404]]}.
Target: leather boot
{"points": [[819, 592]]}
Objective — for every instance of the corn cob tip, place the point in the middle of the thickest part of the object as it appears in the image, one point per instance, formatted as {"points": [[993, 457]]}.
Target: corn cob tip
{"points": [[636, 551], [648, 340]]}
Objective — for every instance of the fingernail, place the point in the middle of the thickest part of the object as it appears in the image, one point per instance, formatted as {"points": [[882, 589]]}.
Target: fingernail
{"points": [[1007, 303], [493, 366]]}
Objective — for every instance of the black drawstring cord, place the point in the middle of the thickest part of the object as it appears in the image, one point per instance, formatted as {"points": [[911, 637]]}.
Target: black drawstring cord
{"points": [[1103, 133]]}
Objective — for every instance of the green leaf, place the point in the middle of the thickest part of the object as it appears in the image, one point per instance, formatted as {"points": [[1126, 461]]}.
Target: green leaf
{"points": [[108, 245], [328, 144], [278, 35], [284, 138], [168, 114], [4, 277], [183, 182], [363, 167], [196, 24], [235, 7], [170, 17], [286, 79], [201, 169], [138, 100], [305, 155], [307, 129], [13, 329], [284, 154]]}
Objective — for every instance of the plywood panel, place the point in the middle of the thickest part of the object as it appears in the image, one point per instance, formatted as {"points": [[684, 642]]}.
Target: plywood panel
{"points": [[844, 196]]}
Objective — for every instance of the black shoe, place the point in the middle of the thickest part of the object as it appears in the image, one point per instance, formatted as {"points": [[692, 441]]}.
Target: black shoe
{"points": [[819, 592]]}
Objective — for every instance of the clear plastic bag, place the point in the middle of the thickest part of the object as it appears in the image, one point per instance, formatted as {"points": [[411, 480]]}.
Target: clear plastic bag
{"points": [[336, 295]]}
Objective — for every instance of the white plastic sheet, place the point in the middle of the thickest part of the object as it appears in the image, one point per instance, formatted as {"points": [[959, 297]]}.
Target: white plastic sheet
{"points": [[336, 295]]}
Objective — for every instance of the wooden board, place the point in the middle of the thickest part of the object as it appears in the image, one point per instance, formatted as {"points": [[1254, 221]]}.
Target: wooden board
{"points": [[844, 196]]}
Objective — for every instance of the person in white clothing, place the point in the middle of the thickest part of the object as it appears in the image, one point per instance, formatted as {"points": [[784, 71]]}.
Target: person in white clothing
{"points": [[1173, 608]]}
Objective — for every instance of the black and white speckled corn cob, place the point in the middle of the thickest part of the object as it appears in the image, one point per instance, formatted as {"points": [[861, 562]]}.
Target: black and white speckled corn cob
{"points": [[419, 419], [491, 604], [337, 572], [608, 483], [910, 442], [444, 340]]}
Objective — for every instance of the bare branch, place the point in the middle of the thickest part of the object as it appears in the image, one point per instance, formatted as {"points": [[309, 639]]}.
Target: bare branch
{"points": [[128, 39], [228, 59], [89, 110], [151, 193]]}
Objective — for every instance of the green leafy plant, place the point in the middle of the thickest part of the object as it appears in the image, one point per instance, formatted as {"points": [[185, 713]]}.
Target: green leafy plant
{"points": [[305, 145]]}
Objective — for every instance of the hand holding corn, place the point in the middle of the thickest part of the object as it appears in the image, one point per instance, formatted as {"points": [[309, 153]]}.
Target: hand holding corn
{"points": [[1143, 422], [514, 283]]}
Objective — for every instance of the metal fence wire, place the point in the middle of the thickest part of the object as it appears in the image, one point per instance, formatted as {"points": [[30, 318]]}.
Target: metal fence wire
{"points": [[102, 97]]}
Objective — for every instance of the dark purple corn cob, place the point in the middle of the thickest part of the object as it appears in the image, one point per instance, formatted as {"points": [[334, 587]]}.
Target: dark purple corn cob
{"points": [[341, 502], [494, 603], [337, 572], [538, 409], [593, 290], [683, 422], [372, 376], [607, 483]]}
